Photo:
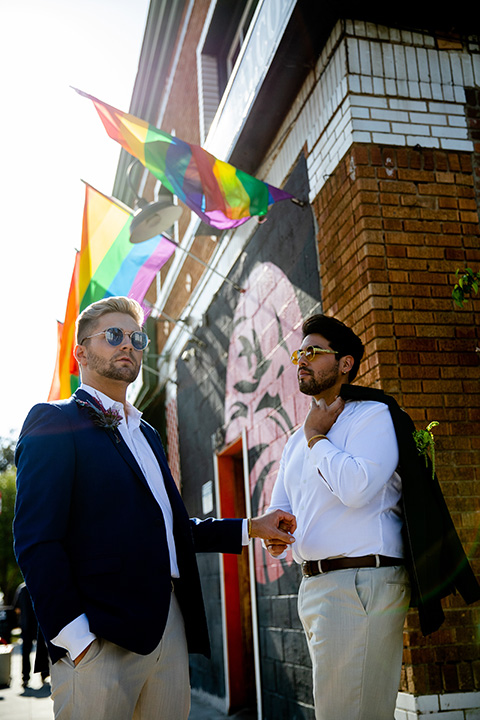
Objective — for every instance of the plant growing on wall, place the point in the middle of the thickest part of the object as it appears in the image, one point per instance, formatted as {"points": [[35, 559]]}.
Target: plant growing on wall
{"points": [[467, 283]]}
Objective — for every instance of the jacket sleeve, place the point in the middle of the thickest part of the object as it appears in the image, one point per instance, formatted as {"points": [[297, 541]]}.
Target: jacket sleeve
{"points": [[45, 459], [211, 535]]}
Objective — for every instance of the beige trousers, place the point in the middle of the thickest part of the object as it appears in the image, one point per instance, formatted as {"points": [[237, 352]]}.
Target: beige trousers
{"points": [[111, 683], [353, 620]]}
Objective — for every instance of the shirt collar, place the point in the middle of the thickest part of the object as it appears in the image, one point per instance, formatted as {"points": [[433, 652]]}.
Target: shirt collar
{"points": [[133, 414]]}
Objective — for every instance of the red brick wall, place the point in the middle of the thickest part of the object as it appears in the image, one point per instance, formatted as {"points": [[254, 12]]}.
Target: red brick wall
{"points": [[173, 450], [394, 224]]}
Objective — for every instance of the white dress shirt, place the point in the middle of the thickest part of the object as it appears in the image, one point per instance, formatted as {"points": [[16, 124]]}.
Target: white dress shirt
{"points": [[344, 491]]}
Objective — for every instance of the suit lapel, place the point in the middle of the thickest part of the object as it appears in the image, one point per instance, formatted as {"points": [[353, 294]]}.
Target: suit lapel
{"points": [[115, 438]]}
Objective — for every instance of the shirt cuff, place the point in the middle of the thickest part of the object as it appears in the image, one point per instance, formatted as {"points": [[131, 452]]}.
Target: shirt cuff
{"points": [[245, 538], [75, 636]]}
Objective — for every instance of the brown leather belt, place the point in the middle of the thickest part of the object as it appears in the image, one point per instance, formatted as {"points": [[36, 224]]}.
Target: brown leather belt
{"points": [[318, 567]]}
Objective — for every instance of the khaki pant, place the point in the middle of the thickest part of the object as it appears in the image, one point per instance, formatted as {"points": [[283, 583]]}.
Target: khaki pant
{"points": [[353, 620], [111, 683]]}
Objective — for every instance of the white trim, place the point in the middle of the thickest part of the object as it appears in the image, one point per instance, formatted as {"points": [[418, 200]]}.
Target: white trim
{"points": [[226, 702], [448, 706], [253, 585]]}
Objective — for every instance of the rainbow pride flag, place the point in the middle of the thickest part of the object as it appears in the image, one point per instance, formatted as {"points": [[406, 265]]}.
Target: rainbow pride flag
{"points": [[220, 194], [107, 264]]}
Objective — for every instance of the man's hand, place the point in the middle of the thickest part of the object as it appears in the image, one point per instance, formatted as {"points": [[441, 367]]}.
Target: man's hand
{"points": [[321, 417], [276, 525]]}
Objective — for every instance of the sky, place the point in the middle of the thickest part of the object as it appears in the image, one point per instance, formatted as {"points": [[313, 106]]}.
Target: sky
{"points": [[52, 139]]}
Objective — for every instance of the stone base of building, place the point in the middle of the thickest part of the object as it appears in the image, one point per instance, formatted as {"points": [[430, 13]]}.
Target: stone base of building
{"points": [[451, 706]]}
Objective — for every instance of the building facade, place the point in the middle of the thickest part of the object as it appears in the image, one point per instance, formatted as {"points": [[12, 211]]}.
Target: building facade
{"points": [[373, 121]]}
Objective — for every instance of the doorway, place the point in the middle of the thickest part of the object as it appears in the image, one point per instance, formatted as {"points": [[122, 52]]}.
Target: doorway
{"points": [[241, 647]]}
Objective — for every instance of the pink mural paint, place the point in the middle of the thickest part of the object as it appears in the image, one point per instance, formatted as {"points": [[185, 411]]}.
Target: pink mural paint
{"points": [[261, 389]]}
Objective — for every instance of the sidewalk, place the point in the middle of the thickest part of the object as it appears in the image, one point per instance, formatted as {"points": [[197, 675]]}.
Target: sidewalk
{"points": [[34, 703]]}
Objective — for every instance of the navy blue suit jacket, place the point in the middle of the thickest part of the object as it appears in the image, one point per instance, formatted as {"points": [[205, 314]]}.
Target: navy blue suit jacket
{"points": [[89, 534]]}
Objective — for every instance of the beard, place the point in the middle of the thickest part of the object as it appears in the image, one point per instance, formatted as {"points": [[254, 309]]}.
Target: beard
{"points": [[108, 368], [316, 383]]}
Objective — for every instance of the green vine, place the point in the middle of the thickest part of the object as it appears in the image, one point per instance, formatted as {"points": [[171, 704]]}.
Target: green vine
{"points": [[424, 441], [468, 283]]}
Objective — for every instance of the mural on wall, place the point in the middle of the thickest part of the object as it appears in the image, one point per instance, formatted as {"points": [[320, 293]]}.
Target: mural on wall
{"points": [[261, 388]]}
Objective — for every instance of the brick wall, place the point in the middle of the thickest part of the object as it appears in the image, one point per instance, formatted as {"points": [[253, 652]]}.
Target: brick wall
{"points": [[173, 452], [394, 224]]}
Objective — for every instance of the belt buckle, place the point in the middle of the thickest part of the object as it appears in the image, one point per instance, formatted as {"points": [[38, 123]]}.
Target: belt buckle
{"points": [[319, 564]]}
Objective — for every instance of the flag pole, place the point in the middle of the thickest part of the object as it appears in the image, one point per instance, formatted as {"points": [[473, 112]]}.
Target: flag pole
{"points": [[165, 235]]}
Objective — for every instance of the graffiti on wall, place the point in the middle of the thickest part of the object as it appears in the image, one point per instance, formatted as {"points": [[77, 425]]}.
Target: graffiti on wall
{"points": [[261, 389]]}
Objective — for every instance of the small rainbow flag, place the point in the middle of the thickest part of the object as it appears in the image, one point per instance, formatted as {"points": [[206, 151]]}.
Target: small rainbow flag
{"points": [[220, 194], [107, 264]]}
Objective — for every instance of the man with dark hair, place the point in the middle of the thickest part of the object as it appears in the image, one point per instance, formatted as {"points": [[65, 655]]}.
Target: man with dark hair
{"points": [[340, 475], [98, 516]]}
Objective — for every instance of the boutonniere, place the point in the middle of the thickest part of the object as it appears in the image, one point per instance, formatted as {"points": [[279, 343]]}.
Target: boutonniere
{"points": [[424, 441], [109, 419]]}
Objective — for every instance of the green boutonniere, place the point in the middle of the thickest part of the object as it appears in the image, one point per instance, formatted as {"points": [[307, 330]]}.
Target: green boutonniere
{"points": [[424, 441]]}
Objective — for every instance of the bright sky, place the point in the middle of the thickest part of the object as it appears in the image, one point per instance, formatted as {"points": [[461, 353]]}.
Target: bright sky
{"points": [[52, 138]]}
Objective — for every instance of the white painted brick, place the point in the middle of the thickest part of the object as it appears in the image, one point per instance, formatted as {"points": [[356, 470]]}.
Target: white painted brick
{"points": [[408, 105], [448, 93], [353, 56], [377, 59], [460, 96], [460, 145], [427, 703], [383, 33], [365, 59], [457, 120], [467, 70], [354, 83], [429, 41], [449, 132], [428, 118], [360, 136], [388, 139], [372, 102], [473, 714], [422, 61], [400, 62], [454, 715], [402, 86], [406, 37], [388, 60], [371, 125], [366, 84], [360, 112], [378, 86], [411, 60], [425, 90], [391, 87], [476, 69], [434, 66], [417, 38], [422, 130], [437, 91], [423, 141], [360, 28], [398, 115], [414, 89], [456, 66], [445, 68], [372, 30], [446, 108], [406, 701], [460, 701], [395, 35]]}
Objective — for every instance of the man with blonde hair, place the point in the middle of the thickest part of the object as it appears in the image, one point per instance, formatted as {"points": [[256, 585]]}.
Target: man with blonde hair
{"points": [[98, 516]]}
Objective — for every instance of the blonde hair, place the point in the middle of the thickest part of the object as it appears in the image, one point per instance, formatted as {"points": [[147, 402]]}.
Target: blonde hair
{"points": [[87, 319]]}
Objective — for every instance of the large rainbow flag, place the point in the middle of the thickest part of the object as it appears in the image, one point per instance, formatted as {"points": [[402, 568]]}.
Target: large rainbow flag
{"points": [[217, 192], [107, 264]]}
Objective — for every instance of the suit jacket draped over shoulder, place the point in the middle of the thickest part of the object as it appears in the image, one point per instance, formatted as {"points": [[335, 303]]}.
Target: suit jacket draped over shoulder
{"points": [[434, 554]]}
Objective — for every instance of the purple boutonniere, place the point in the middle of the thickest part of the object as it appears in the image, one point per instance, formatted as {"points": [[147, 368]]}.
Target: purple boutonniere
{"points": [[109, 419]]}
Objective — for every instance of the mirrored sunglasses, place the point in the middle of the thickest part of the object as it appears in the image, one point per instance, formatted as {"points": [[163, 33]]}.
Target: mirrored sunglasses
{"points": [[114, 336], [310, 353]]}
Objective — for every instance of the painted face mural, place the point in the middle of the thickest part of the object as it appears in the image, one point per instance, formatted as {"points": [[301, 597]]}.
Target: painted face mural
{"points": [[261, 390]]}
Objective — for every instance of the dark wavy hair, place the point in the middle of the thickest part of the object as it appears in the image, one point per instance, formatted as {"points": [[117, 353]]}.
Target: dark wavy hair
{"points": [[341, 338]]}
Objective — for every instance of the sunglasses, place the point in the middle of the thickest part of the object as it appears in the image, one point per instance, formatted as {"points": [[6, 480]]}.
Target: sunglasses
{"points": [[114, 336], [309, 353]]}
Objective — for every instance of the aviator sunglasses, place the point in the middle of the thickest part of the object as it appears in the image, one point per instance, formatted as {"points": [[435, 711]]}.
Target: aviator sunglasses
{"points": [[114, 336], [309, 353]]}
